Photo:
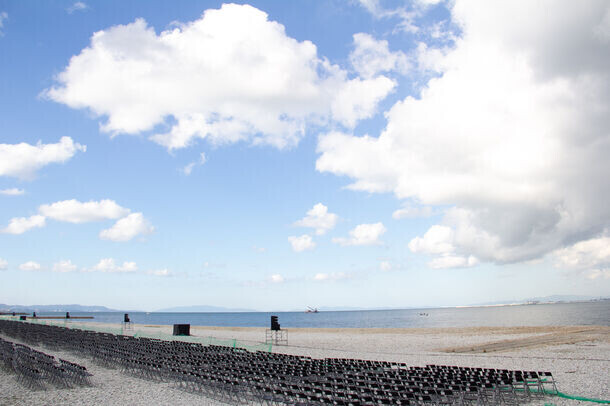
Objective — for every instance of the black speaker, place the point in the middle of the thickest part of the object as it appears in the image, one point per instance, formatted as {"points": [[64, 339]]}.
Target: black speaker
{"points": [[275, 326], [22, 317], [126, 318], [182, 329], [67, 315]]}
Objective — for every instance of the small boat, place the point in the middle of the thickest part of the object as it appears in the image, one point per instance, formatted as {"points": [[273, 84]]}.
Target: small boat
{"points": [[311, 310], [423, 314]]}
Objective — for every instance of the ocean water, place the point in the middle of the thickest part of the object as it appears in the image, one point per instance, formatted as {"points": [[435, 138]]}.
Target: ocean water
{"points": [[557, 314]]}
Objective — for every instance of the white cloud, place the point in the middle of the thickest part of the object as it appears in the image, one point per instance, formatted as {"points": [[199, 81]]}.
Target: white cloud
{"points": [[127, 228], [277, 278], [407, 17], [370, 57], [160, 272], [12, 192], [329, 277], [437, 240], [385, 266], [19, 225], [229, 76], [23, 160], [512, 135], [78, 6], [3, 264], [73, 211], [588, 254], [108, 265], [598, 274], [302, 243], [319, 218], [363, 234], [189, 167], [358, 98], [30, 266], [3, 17], [453, 261], [64, 266], [412, 212]]}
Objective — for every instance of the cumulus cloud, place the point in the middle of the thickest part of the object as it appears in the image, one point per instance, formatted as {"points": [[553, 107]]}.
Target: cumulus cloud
{"points": [[12, 192], [513, 135], [19, 225], [30, 266], [73, 211], [371, 57], [23, 160], [319, 219], [358, 99], [329, 277], [64, 266], [589, 258], [439, 241], [127, 228], [3, 264], [229, 76], [302, 243], [363, 234], [108, 265]]}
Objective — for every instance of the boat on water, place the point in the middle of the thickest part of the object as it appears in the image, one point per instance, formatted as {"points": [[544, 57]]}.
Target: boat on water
{"points": [[311, 310]]}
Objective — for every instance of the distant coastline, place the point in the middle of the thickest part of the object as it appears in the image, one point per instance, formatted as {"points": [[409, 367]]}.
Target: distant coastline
{"points": [[218, 309]]}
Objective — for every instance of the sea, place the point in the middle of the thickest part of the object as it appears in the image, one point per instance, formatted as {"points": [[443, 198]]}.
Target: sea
{"points": [[555, 314]]}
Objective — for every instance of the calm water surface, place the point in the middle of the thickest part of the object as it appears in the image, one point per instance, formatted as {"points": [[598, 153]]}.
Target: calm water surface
{"points": [[558, 314]]}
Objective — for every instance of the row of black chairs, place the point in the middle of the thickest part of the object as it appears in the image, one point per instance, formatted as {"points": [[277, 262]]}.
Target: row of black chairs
{"points": [[36, 369], [235, 375]]}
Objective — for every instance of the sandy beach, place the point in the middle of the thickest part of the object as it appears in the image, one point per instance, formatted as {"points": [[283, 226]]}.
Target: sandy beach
{"points": [[578, 357]]}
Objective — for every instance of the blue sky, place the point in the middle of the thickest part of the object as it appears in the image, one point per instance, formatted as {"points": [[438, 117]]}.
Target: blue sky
{"points": [[278, 155]]}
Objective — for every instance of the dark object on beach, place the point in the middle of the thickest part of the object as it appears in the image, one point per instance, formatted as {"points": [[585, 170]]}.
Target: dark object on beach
{"points": [[34, 314], [22, 318], [275, 326], [67, 315], [126, 318], [182, 329]]}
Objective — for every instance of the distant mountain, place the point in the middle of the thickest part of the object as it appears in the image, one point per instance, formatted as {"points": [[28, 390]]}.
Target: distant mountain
{"points": [[204, 309], [563, 298], [54, 308], [544, 299]]}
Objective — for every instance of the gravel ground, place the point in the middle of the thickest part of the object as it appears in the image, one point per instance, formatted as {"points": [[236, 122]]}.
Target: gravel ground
{"points": [[581, 368]]}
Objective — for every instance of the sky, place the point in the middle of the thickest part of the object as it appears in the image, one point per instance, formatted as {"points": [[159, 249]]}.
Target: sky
{"points": [[277, 155]]}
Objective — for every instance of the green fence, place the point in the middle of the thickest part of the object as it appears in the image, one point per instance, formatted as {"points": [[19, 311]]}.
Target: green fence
{"points": [[233, 343]]}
